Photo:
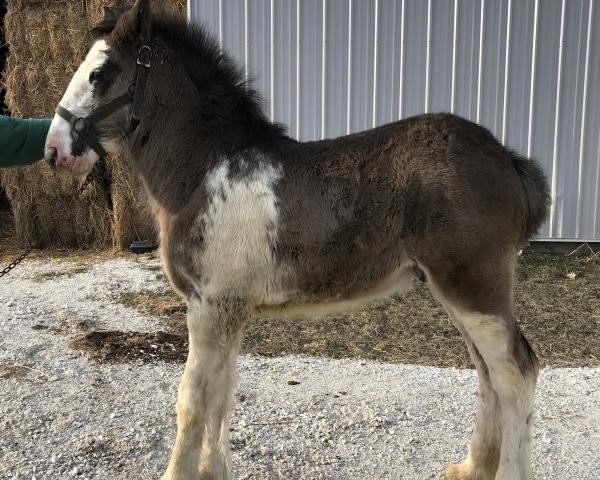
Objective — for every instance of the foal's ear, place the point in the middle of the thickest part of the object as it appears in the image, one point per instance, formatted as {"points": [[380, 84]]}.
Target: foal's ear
{"points": [[108, 22], [112, 14], [143, 18]]}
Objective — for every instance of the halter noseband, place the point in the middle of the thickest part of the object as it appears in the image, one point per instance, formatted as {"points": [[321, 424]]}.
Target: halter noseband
{"points": [[83, 129]]}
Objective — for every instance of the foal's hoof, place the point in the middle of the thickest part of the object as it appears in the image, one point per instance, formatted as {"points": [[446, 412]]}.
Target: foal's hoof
{"points": [[464, 471]]}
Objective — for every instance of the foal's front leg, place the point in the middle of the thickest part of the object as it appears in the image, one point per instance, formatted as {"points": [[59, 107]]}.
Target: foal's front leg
{"points": [[202, 445]]}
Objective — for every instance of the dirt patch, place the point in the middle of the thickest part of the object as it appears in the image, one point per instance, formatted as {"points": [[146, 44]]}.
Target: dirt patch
{"points": [[119, 347], [115, 346], [63, 272], [11, 370], [8, 370], [65, 324]]}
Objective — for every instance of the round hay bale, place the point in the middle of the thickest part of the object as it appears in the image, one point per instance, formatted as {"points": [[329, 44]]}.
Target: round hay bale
{"points": [[48, 40]]}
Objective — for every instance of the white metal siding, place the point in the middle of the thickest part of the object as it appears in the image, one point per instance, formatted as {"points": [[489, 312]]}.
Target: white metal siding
{"points": [[529, 70]]}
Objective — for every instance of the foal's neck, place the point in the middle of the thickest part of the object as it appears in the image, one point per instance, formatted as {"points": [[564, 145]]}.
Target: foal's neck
{"points": [[190, 129]]}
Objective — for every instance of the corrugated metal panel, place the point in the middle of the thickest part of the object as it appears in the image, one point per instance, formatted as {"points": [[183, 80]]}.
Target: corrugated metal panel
{"points": [[529, 70], [337, 22], [589, 192]]}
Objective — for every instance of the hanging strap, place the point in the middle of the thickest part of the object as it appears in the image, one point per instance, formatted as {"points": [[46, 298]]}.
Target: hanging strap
{"points": [[141, 75]]}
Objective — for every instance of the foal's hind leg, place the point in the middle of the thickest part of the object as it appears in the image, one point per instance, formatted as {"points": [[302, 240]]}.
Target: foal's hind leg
{"points": [[480, 302], [202, 445], [484, 449]]}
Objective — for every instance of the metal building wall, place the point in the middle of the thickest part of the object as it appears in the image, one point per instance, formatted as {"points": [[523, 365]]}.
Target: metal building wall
{"points": [[529, 70]]}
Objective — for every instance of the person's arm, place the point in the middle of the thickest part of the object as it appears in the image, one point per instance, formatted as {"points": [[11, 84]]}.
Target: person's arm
{"points": [[22, 140]]}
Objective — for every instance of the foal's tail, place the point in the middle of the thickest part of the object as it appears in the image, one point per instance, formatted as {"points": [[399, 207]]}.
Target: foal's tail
{"points": [[537, 193]]}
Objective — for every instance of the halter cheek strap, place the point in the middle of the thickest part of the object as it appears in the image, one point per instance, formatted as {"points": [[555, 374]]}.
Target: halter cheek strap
{"points": [[83, 129]]}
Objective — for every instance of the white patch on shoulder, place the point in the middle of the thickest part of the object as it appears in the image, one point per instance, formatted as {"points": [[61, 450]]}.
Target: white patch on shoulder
{"points": [[240, 228]]}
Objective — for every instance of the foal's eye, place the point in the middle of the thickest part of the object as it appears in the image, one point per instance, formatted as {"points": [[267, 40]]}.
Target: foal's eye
{"points": [[96, 76]]}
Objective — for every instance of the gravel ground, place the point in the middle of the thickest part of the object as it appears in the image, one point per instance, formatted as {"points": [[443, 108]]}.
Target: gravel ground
{"points": [[62, 416]]}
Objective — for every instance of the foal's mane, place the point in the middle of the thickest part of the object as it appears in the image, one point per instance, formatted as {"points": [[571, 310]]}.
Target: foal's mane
{"points": [[213, 72]]}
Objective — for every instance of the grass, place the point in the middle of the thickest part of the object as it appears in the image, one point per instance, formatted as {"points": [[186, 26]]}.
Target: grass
{"points": [[558, 305], [557, 300], [163, 303]]}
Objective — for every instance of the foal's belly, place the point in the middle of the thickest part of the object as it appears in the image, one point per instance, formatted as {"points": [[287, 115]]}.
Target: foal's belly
{"points": [[297, 303]]}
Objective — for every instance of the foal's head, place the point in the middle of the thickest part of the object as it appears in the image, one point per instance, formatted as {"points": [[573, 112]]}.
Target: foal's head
{"points": [[107, 73], [193, 90]]}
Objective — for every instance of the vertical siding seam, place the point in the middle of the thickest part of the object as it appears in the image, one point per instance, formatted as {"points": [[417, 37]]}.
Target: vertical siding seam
{"points": [[246, 41], [290, 44], [496, 96], [401, 79], [221, 24], [298, 69], [506, 72], [480, 67], [471, 69], [557, 120], [596, 228], [454, 48], [393, 63], [323, 68], [428, 61], [597, 198], [375, 48], [348, 99], [272, 61], [533, 72], [583, 114]]}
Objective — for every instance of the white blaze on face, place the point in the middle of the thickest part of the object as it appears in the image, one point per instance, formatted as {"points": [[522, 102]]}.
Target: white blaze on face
{"points": [[78, 100]]}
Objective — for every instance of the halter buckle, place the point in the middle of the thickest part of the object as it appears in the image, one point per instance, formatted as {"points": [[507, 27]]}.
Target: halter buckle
{"points": [[144, 56], [80, 125]]}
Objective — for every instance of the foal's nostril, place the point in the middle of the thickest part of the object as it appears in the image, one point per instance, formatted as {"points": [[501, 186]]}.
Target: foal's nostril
{"points": [[51, 156]]}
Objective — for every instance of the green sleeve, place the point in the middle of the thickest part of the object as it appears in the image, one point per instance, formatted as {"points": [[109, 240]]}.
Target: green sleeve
{"points": [[22, 140]]}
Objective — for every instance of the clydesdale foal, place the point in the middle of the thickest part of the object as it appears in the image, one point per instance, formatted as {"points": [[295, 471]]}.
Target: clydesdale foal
{"points": [[252, 221]]}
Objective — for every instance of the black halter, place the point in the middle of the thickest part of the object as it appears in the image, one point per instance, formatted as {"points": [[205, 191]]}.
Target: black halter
{"points": [[83, 129]]}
